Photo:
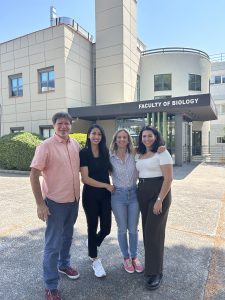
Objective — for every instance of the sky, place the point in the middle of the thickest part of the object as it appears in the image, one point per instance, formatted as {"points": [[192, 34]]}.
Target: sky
{"points": [[195, 24]]}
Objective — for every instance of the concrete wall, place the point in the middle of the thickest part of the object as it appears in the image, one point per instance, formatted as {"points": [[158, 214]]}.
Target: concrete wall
{"points": [[109, 128], [117, 57], [70, 55], [180, 65], [80, 126], [218, 95], [78, 69]]}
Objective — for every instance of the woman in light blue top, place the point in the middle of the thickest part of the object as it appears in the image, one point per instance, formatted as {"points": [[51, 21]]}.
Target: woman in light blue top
{"points": [[124, 200]]}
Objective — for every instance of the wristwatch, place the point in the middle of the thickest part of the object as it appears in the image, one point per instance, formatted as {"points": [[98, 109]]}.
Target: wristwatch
{"points": [[158, 199]]}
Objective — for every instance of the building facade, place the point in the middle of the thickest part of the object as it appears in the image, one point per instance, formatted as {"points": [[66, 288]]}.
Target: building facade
{"points": [[114, 81]]}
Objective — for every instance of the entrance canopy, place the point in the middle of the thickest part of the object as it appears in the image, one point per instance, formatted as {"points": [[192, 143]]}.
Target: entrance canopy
{"points": [[194, 107]]}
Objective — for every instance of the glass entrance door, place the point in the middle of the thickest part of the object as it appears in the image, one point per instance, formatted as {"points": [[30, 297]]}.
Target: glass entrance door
{"points": [[196, 143]]}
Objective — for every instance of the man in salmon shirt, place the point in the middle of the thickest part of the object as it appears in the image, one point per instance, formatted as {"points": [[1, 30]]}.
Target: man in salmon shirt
{"points": [[57, 199]]}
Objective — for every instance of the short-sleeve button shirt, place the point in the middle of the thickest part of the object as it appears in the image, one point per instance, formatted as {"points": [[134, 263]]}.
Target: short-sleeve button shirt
{"points": [[59, 162]]}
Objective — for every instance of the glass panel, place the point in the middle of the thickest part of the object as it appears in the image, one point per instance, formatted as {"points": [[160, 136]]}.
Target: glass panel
{"points": [[45, 133], [167, 81], [44, 76], [51, 75], [52, 131], [222, 109], [217, 79], [14, 83], [51, 84], [14, 92], [223, 78], [198, 83], [157, 83]]}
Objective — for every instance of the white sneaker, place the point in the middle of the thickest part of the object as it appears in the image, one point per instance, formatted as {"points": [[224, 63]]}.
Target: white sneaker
{"points": [[98, 268]]}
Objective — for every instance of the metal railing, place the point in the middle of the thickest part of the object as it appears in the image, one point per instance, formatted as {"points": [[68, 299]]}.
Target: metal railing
{"points": [[71, 22], [217, 57], [176, 50], [213, 154]]}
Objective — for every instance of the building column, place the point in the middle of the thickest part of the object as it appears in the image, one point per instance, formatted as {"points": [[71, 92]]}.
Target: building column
{"points": [[158, 121], [164, 127], [153, 120], [178, 140], [148, 119]]}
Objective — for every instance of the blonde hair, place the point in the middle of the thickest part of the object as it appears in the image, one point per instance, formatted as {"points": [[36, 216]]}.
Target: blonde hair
{"points": [[113, 146]]}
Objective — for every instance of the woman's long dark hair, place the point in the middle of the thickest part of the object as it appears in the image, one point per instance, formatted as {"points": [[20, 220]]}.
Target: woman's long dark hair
{"points": [[159, 141], [103, 150]]}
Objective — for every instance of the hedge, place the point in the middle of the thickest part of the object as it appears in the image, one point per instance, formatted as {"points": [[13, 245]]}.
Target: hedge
{"points": [[80, 137], [17, 150]]}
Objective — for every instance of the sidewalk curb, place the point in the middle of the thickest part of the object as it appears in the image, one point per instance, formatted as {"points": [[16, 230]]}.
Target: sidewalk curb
{"points": [[4, 171]]}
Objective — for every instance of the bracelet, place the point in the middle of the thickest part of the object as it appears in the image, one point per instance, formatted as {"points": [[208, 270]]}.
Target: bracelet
{"points": [[158, 199]]}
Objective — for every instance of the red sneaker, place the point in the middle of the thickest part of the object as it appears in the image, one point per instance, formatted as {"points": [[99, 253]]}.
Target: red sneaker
{"points": [[52, 295], [69, 272]]}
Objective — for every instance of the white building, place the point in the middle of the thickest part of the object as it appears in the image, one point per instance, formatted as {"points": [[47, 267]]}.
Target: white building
{"points": [[113, 82]]}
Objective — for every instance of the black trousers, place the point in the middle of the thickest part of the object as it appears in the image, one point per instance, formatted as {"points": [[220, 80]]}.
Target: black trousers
{"points": [[97, 209], [153, 225]]}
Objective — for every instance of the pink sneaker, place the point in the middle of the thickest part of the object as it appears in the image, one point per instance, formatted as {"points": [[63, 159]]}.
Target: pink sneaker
{"points": [[128, 266], [137, 265]]}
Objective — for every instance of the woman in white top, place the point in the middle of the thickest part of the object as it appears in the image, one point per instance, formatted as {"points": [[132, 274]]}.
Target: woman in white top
{"points": [[154, 196]]}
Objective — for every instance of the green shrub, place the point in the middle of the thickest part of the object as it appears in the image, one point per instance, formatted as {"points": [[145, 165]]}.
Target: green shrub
{"points": [[80, 137], [17, 150]]}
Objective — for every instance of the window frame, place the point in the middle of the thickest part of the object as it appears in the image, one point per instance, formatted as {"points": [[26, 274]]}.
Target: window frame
{"points": [[190, 88], [19, 91], [46, 89], [44, 127], [16, 129], [222, 138], [162, 82]]}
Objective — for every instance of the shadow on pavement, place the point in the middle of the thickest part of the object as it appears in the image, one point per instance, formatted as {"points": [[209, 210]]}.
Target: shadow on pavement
{"points": [[185, 272]]}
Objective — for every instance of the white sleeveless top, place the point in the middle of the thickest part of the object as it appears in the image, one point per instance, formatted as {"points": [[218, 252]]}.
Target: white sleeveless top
{"points": [[150, 167]]}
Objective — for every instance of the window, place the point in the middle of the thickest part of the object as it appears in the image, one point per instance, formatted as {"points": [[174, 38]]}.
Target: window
{"points": [[46, 79], [222, 111], [194, 82], [162, 97], [218, 79], [162, 82], [220, 140], [47, 131], [15, 85], [16, 129]]}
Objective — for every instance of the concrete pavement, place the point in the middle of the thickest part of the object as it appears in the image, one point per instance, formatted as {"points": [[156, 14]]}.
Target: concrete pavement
{"points": [[194, 265]]}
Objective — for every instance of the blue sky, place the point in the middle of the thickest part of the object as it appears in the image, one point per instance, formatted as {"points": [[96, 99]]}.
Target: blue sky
{"points": [[167, 23]]}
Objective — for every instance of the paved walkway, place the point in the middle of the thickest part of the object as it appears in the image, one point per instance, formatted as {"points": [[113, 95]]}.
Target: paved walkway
{"points": [[194, 267]]}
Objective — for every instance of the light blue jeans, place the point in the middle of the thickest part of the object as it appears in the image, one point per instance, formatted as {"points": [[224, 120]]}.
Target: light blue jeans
{"points": [[125, 208]]}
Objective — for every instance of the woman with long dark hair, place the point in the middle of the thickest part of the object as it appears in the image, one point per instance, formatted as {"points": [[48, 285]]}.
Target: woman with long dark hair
{"points": [[95, 168], [154, 196]]}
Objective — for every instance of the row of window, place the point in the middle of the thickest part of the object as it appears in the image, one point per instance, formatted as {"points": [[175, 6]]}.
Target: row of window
{"points": [[163, 82], [46, 82], [220, 140], [218, 79], [46, 131]]}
